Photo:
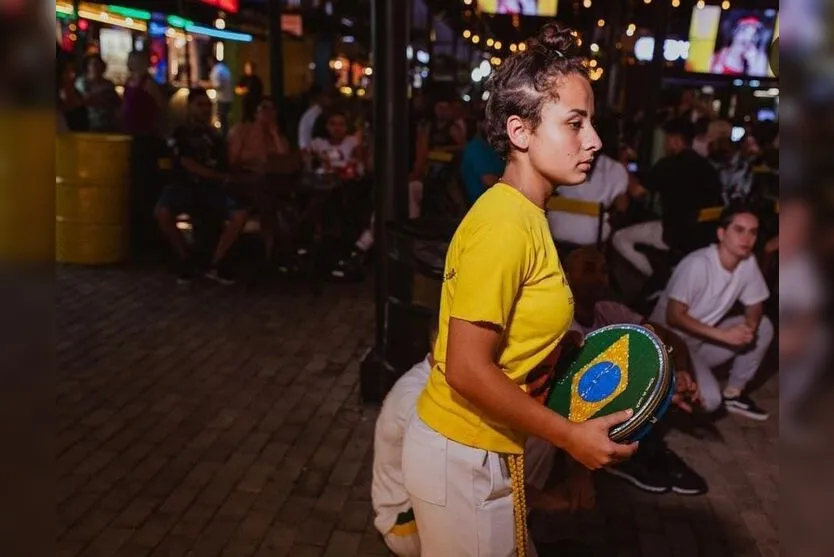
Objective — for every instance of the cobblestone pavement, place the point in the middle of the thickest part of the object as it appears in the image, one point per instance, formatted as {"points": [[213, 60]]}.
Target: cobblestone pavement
{"points": [[219, 422]]}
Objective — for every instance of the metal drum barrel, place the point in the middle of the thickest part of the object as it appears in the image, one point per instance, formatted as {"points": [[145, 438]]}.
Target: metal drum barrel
{"points": [[92, 185]]}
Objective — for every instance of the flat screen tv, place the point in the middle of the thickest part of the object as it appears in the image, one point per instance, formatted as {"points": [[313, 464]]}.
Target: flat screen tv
{"points": [[540, 8], [732, 42]]}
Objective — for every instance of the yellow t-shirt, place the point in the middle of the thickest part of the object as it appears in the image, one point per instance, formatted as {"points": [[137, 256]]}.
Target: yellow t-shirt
{"points": [[501, 268]]}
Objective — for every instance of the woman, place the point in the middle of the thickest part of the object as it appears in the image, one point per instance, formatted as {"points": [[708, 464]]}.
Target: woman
{"points": [[253, 146], [338, 151], [100, 96], [505, 306]]}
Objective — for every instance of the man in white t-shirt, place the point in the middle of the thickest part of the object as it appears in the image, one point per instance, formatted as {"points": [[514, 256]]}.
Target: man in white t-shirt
{"points": [[319, 100], [705, 286], [607, 183]]}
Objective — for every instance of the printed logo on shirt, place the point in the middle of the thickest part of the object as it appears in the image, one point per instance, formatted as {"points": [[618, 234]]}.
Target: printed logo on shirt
{"points": [[449, 275]]}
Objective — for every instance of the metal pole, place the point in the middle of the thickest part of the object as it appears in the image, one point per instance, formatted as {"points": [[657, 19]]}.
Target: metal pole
{"points": [[654, 82], [389, 41], [276, 55]]}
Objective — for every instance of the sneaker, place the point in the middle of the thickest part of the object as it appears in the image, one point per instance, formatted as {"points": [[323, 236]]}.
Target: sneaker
{"points": [[217, 276], [185, 272], [685, 481], [744, 405], [643, 472]]}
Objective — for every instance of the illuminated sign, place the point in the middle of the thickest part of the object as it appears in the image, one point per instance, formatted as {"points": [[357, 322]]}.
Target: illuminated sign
{"points": [[230, 6]]}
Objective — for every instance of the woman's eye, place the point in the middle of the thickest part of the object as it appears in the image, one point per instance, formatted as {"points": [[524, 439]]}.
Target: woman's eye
{"points": [[575, 125]]}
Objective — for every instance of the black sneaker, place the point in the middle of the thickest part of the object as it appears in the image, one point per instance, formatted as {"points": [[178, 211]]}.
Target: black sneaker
{"points": [[744, 405], [685, 481], [643, 472], [215, 274], [185, 272]]}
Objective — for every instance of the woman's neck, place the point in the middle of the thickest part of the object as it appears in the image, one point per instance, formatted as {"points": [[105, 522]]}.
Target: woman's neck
{"points": [[529, 182]]}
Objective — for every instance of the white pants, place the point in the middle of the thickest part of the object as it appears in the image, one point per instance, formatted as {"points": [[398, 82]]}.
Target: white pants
{"points": [[706, 356], [462, 496], [415, 198], [647, 233]]}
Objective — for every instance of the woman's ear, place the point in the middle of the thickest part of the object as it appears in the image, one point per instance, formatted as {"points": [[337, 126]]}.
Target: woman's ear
{"points": [[518, 133]]}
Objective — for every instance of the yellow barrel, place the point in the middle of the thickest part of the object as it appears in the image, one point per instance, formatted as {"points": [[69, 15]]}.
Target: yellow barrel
{"points": [[27, 200], [92, 185]]}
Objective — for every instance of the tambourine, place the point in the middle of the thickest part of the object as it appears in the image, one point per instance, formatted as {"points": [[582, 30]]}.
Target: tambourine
{"points": [[617, 368]]}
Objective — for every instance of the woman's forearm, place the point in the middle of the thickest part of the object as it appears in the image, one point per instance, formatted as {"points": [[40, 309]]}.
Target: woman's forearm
{"points": [[487, 388]]}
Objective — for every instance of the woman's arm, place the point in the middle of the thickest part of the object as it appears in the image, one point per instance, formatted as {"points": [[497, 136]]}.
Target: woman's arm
{"points": [[471, 371]]}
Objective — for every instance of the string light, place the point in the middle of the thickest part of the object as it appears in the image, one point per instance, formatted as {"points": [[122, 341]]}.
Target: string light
{"points": [[594, 47], [467, 2], [700, 5], [513, 47], [587, 3], [725, 5], [600, 23], [593, 63], [467, 33], [476, 39], [490, 42], [631, 29], [578, 42], [522, 46], [676, 3], [647, 1], [498, 45]]}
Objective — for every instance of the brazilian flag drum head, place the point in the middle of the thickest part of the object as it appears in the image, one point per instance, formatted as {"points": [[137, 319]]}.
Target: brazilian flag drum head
{"points": [[618, 367]]}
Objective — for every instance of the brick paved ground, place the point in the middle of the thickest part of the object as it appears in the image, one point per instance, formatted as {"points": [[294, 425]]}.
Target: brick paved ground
{"points": [[219, 422]]}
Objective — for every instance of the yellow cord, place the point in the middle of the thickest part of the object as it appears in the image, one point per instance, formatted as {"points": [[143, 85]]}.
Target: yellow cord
{"points": [[515, 463]]}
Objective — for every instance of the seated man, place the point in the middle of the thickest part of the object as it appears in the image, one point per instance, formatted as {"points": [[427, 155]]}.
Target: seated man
{"points": [[200, 189], [685, 183], [704, 288]]}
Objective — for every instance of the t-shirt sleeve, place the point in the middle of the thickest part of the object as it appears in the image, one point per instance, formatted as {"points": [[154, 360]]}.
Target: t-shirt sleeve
{"points": [[755, 288], [490, 271], [618, 182], [688, 281]]}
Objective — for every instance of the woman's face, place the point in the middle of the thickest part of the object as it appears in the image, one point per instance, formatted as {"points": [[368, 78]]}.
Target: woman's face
{"points": [[563, 146], [266, 113], [337, 127], [744, 37]]}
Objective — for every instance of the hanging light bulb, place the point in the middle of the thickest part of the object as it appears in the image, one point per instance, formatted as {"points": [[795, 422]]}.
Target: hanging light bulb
{"points": [[522, 46], [490, 42], [513, 47], [725, 5], [497, 45], [600, 23], [467, 33], [631, 29], [476, 39], [647, 1], [587, 3], [676, 3], [700, 5]]}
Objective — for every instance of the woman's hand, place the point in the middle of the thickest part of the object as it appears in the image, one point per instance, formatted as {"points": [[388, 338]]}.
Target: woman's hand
{"points": [[588, 442]]}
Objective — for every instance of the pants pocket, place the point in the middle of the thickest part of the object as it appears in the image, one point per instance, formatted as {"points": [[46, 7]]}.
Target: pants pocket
{"points": [[492, 479], [424, 462]]}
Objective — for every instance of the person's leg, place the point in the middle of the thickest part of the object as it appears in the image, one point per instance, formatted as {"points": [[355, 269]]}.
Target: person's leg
{"points": [[166, 219], [415, 198], [237, 220], [797, 377], [747, 363], [647, 233], [462, 497], [704, 358]]}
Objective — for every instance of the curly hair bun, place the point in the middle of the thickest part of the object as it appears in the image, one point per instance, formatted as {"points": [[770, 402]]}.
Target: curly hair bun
{"points": [[558, 39]]}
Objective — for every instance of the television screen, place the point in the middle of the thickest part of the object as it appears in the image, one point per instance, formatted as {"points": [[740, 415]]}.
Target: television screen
{"points": [[541, 8], [731, 42]]}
